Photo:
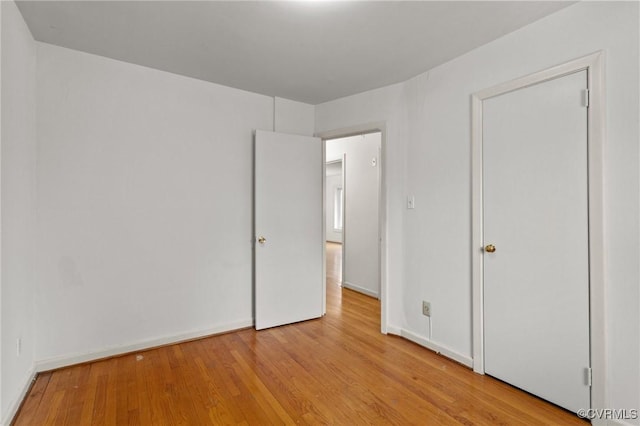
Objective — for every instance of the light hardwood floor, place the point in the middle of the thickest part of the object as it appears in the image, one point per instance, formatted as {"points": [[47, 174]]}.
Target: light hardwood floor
{"points": [[335, 370]]}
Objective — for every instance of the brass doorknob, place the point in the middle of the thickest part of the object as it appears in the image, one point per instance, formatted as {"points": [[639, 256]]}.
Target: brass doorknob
{"points": [[262, 240], [490, 248]]}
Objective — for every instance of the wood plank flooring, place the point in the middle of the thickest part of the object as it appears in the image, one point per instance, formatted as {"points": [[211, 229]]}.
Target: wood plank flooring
{"points": [[335, 370]]}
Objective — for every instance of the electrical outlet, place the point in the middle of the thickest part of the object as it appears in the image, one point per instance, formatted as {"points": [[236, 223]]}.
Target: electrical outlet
{"points": [[18, 346], [426, 308]]}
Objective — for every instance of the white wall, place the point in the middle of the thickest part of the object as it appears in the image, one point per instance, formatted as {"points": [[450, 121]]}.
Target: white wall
{"points": [[137, 219], [332, 183], [145, 183], [439, 174], [361, 223], [143, 222], [294, 117], [18, 190], [432, 111]]}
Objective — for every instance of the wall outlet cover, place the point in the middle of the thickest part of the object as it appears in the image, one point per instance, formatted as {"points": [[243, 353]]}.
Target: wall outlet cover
{"points": [[426, 308]]}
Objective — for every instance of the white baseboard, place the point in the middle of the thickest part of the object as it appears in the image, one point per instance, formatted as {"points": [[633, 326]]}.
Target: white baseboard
{"points": [[68, 360], [359, 289], [436, 347], [14, 406], [392, 329]]}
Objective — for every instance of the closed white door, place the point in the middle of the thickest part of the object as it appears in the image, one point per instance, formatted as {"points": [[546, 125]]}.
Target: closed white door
{"points": [[535, 213], [288, 228]]}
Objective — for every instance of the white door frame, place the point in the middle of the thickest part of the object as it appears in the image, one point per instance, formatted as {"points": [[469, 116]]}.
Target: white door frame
{"points": [[329, 163], [594, 65], [383, 258], [342, 162]]}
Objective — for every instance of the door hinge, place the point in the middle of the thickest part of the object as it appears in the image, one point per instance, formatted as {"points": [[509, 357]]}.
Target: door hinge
{"points": [[586, 97], [588, 374]]}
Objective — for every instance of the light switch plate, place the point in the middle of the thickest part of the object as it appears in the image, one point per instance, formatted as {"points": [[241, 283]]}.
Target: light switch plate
{"points": [[411, 202]]}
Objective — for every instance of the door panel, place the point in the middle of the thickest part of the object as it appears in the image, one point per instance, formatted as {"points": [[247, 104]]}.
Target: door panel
{"points": [[535, 209], [288, 214]]}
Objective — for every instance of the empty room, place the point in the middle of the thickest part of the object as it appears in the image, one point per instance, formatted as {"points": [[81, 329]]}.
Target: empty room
{"points": [[319, 212]]}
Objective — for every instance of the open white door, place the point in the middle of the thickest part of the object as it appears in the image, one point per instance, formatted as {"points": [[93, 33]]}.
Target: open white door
{"points": [[289, 244]]}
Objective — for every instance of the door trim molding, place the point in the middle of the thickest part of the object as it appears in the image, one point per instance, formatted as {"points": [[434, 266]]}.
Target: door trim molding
{"points": [[343, 266], [594, 65], [379, 126]]}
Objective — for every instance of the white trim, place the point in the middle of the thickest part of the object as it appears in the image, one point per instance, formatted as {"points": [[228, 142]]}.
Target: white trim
{"points": [[1, 265], [380, 205], [359, 289], [374, 127], [343, 237], [68, 360], [477, 296], [341, 187], [13, 408], [323, 230], [392, 329], [323, 145], [594, 65], [436, 347]]}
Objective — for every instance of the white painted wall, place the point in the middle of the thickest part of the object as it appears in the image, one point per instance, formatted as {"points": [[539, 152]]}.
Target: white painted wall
{"points": [[18, 201], [293, 117], [134, 223], [431, 114], [438, 173], [361, 222], [145, 183], [143, 226], [333, 182]]}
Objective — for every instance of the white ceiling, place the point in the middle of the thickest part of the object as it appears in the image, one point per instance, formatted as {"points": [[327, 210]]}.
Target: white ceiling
{"points": [[309, 51]]}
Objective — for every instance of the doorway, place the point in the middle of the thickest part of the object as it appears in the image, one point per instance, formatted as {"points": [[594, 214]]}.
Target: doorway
{"points": [[352, 208]]}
